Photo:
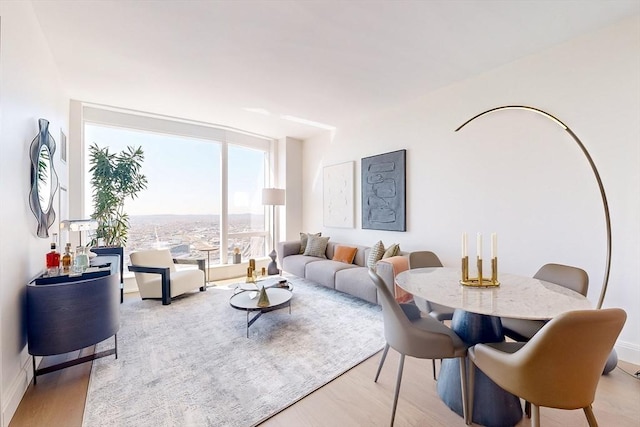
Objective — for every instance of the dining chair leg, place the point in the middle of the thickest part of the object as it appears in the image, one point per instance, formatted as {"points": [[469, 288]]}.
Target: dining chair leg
{"points": [[398, 381], [527, 408], [464, 389], [470, 392], [384, 356], [535, 415], [433, 363], [591, 418]]}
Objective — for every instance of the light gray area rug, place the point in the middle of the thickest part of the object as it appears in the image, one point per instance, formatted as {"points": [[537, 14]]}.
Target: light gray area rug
{"points": [[190, 363]]}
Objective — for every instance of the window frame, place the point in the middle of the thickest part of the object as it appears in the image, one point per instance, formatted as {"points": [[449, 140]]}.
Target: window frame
{"points": [[149, 123]]}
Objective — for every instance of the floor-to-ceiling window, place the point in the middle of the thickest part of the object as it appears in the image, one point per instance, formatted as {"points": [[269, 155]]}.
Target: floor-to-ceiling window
{"points": [[201, 192]]}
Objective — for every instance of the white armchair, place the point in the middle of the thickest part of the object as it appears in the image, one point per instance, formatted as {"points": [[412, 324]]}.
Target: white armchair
{"points": [[157, 277]]}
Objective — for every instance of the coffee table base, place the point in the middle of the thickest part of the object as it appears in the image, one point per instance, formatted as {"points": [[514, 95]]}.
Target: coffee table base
{"points": [[259, 313]]}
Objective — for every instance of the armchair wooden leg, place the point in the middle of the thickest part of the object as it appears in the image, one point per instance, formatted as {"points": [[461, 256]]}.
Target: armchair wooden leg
{"points": [[166, 290], [395, 397], [384, 356], [527, 408], [591, 418]]}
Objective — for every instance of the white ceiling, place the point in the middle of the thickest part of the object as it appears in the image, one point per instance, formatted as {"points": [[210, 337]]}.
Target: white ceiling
{"points": [[326, 61]]}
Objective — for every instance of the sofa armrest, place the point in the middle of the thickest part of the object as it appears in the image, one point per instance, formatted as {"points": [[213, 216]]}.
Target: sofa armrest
{"points": [[285, 249], [388, 268]]}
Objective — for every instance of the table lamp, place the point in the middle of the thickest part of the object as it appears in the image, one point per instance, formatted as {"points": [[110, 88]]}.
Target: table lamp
{"points": [[79, 225], [273, 197]]}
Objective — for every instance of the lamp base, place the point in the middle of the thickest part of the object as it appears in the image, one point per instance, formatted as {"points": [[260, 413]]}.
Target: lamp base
{"points": [[272, 268]]}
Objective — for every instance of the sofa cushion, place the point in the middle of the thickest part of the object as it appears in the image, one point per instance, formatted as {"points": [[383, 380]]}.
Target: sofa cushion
{"points": [[304, 238], [345, 254], [324, 271], [296, 264], [356, 282], [375, 254], [316, 246]]}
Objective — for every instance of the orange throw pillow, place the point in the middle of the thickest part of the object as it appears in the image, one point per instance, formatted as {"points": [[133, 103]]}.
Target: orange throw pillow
{"points": [[345, 254]]}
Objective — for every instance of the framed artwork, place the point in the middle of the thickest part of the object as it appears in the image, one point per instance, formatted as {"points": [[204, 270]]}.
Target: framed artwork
{"points": [[63, 146], [337, 196], [383, 191]]}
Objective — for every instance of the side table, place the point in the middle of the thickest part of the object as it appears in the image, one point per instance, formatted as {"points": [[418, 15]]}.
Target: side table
{"points": [[208, 250]]}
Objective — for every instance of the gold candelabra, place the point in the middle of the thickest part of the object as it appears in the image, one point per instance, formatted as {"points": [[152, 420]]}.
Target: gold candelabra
{"points": [[480, 281]]}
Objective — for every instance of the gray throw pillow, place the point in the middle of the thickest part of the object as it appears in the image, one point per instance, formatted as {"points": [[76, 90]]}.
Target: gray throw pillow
{"points": [[303, 240], [316, 246]]}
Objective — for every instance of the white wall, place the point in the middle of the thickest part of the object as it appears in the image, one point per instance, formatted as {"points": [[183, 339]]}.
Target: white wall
{"points": [[29, 90], [289, 177], [515, 172]]}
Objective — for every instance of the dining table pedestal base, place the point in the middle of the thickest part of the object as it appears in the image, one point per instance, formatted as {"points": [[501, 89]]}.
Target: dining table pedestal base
{"points": [[493, 406]]}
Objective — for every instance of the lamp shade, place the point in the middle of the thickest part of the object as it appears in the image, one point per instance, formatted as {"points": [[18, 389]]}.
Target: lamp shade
{"points": [[273, 196], [79, 224]]}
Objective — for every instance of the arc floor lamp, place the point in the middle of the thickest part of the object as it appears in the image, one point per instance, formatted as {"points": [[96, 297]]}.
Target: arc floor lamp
{"points": [[613, 357], [603, 195]]}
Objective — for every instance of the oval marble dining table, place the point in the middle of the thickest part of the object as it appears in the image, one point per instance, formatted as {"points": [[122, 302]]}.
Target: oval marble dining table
{"points": [[477, 319]]}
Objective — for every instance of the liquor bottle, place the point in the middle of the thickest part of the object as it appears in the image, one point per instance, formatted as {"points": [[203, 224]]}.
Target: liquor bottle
{"points": [[81, 261], [66, 259], [53, 261]]}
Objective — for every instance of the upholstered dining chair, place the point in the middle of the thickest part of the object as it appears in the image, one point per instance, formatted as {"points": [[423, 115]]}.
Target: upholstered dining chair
{"points": [[424, 259], [559, 367], [157, 277], [421, 337], [572, 278]]}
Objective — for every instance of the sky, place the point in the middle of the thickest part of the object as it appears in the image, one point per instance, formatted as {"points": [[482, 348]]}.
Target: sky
{"points": [[183, 174]]}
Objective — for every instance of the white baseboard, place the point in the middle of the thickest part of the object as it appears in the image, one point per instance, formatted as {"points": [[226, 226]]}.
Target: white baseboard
{"points": [[17, 389], [628, 352]]}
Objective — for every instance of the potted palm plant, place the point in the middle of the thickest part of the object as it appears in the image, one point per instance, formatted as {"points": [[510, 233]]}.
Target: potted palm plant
{"points": [[115, 177]]}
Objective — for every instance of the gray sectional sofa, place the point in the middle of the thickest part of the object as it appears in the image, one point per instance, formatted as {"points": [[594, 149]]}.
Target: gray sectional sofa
{"points": [[349, 278]]}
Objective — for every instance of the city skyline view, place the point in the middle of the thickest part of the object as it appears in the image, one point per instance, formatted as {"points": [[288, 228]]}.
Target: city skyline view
{"points": [[183, 173]]}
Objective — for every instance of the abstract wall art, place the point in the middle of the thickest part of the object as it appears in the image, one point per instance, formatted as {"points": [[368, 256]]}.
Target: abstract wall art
{"points": [[338, 190], [383, 191]]}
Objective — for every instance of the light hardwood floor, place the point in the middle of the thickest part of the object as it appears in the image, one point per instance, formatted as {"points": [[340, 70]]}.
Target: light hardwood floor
{"points": [[353, 399]]}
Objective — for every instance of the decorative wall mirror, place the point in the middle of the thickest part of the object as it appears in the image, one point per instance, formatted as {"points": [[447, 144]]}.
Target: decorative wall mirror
{"points": [[44, 180]]}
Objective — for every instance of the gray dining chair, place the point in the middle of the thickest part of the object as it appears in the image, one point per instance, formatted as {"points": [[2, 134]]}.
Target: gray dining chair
{"points": [[422, 337], [572, 278], [558, 368], [425, 259]]}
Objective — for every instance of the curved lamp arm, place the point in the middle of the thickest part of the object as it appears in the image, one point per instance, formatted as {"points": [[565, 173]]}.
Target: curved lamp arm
{"points": [[593, 168]]}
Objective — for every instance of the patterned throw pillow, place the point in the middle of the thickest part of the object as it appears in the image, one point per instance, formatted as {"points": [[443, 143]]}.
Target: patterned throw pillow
{"points": [[303, 240], [345, 254], [392, 250], [316, 246], [375, 254]]}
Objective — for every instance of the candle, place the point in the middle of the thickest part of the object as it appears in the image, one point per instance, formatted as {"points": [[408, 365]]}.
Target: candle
{"points": [[464, 245], [494, 245], [479, 245]]}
